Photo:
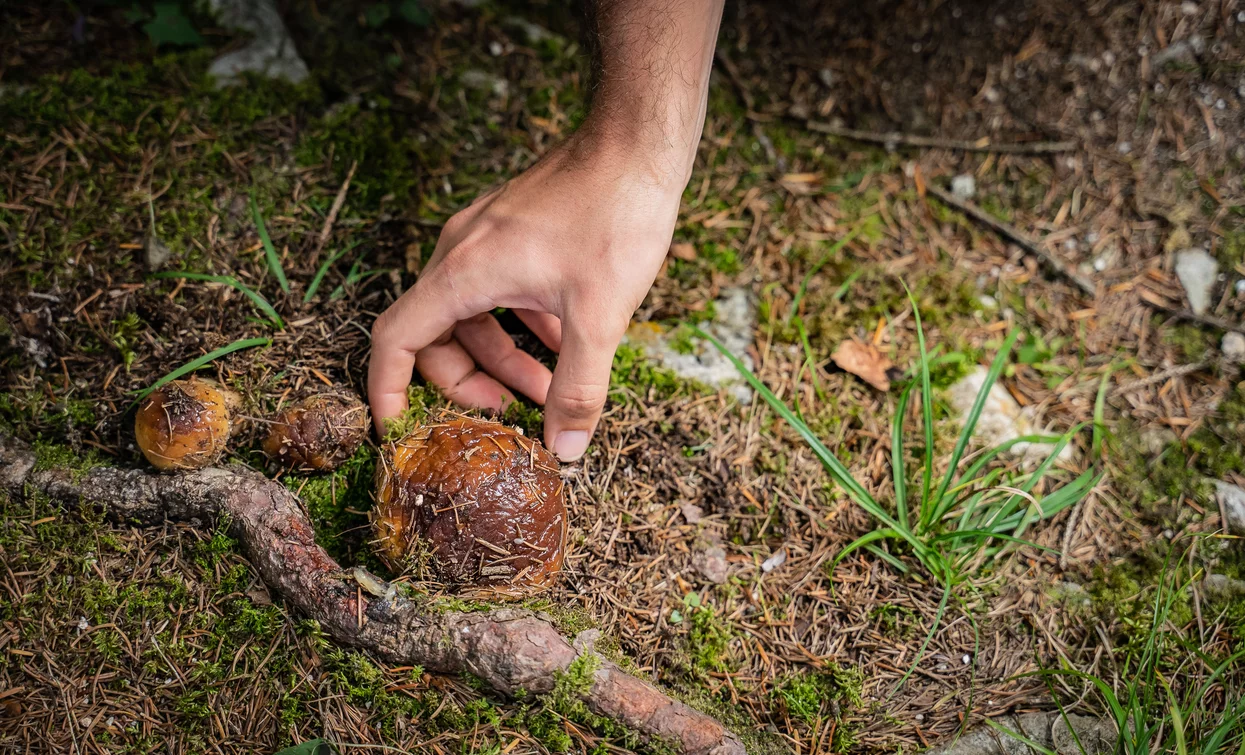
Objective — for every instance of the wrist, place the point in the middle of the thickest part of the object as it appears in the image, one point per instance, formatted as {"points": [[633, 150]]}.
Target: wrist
{"points": [[656, 158]]}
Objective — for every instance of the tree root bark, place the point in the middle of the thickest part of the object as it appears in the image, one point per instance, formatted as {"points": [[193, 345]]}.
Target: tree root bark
{"points": [[510, 649]]}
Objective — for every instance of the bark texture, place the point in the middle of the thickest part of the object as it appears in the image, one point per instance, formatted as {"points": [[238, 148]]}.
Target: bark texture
{"points": [[507, 648]]}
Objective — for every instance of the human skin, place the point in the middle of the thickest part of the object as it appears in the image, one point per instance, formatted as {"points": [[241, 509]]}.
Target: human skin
{"points": [[571, 245]]}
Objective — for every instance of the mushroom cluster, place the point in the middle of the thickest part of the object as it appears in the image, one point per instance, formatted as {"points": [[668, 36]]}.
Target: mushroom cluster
{"points": [[187, 424], [480, 500]]}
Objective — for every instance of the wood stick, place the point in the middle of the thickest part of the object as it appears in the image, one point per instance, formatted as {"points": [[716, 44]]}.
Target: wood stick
{"points": [[913, 140], [1010, 232], [336, 208], [508, 648]]}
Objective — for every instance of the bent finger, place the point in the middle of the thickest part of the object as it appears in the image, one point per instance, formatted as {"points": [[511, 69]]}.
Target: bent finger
{"points": [[449, 367], [577, 393], [546, 327], [494, 350]]}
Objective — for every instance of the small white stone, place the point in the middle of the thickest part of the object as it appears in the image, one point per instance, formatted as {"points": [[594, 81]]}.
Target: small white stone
{"points": [[1197, 271], [1100, 264], [83, 624], [1233, 347], [965, 659], [495, 48], [1189, 8], [1240, 287], [1125, 147], [1220, 104], [964, 186]]}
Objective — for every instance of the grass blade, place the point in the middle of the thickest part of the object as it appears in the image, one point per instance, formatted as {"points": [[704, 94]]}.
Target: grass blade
{"points": [[942, 609], [1100, 406], [195, 364], [970, 423], [1021, 738], [927, 414], [809, 362], [898, 474], [799, 295], [838, 472], [260, 302], [323, 270], [274, 262]]}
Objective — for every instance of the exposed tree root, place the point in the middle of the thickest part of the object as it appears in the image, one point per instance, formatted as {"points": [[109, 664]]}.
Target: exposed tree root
{"points": [[510, 649]]}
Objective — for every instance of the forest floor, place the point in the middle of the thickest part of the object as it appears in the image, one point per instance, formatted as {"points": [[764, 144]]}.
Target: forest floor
{"points": [[121, 639]]}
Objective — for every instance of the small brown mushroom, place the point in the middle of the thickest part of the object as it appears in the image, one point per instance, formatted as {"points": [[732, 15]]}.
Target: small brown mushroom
{"points": [[480, 500], [186, 423], [318, 433]]}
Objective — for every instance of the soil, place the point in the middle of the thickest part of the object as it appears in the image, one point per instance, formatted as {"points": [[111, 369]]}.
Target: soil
{"points": [[126, 639]]}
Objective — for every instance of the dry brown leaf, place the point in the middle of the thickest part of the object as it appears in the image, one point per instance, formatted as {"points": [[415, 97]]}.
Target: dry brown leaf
{"points": [[683, 251], [865, 362]]}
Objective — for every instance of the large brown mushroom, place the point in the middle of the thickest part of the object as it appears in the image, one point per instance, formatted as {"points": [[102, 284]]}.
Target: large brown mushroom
{"points": [[478, 500], [318, 433], [186, 423]]}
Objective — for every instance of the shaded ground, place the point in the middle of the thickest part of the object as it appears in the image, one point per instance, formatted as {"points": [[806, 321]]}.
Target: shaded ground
{"points": [[116, 639]]}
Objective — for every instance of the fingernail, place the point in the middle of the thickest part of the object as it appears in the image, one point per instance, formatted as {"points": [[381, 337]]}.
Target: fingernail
{"points": [[570, 444]]}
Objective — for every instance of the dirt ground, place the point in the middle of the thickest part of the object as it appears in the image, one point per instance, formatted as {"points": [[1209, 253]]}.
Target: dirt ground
{"points": [[120, 639]]}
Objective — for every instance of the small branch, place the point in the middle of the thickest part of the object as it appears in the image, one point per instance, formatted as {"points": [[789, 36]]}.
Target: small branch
{"points": [[1010, 232], [1178, 313], [895, 138], [509, 649], [336, 208], [1160, 377]]}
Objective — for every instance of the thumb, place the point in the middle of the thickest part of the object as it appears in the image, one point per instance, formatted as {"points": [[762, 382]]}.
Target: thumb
{"points": [[577, 394]]}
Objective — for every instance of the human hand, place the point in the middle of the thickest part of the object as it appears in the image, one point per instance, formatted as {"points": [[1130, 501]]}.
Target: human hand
{"points": [[572, 245]]}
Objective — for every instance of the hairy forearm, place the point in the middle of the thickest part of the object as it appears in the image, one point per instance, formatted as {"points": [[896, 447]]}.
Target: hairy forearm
{"points": [[653, 63]]}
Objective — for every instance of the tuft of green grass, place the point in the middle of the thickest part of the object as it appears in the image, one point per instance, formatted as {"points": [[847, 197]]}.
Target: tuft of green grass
{"points": [[1163, 701], [948, 524], [323, 270]]}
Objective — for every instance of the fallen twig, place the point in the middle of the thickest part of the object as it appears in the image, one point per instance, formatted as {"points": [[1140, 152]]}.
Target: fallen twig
{"points": [[336, 207], [1010, 232], [1179, 313], [895, 138], [1160, 377], [509, 649]]}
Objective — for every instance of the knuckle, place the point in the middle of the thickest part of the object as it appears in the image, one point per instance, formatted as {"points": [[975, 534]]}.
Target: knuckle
{"points": [[580, 401]]}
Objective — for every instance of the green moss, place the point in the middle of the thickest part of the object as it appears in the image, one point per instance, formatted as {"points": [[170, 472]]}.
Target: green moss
{"points": [[808, 696], [709, 641], [57, 456], [338, 504], [895, 621], [377, 138], [1231, 251], [633, 370], [1191, 341]]}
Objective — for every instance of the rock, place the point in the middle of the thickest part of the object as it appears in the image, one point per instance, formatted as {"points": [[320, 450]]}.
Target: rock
{"points": [[964, 186], [733, 326], [1001, 419], [484, 81], [270, 52], [1183, 51], [1222, 587], [1093, 736], [1155, 440], [1197, 271], [532, 33], [712, 565], [692, 513], [1233, 347], [1232, 499], [155, 252], [774, 561]]}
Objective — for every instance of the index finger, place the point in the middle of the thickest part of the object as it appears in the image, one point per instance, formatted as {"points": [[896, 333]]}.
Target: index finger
{"points": [[419, 317]]}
